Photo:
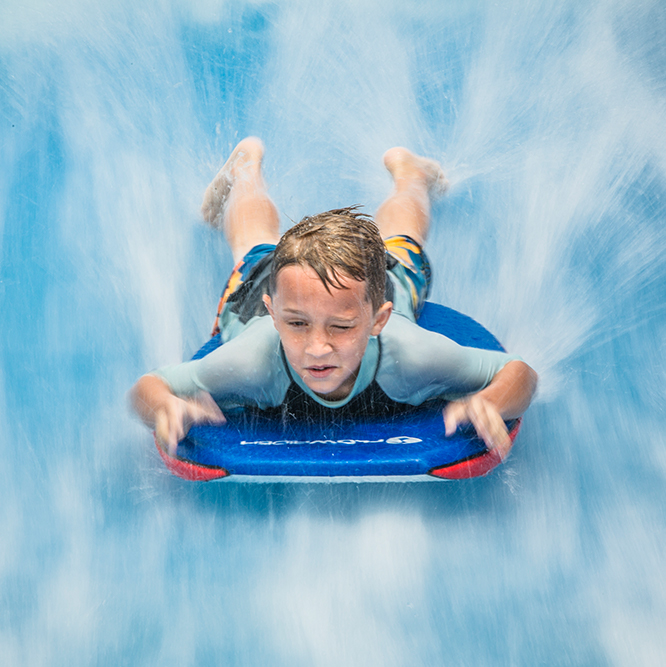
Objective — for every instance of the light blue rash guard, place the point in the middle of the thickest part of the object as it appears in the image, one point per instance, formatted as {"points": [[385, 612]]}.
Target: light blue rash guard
{"points": [[409, 363]]}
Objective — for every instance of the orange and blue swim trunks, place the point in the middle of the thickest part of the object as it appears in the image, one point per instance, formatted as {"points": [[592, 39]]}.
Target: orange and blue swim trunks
{"points": [[408, 283]]}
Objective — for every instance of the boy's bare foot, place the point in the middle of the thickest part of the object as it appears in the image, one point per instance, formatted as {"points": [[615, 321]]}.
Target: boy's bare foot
{"points": [[244, 164], [406, 166]]}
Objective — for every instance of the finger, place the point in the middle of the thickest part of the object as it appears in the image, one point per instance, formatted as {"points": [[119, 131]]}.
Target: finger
{"points": [[199, 415], [497, 437], [500, 435], [162, 431], [489, 425], [475, 415], [169, 431], [176, 434], [504, 443], [201, 409], [207, 410], [450, 421], [504, 450], [454, 414]]}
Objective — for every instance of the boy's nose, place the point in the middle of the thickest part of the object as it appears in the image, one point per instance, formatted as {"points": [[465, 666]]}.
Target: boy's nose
{"points": [[318, 344]]}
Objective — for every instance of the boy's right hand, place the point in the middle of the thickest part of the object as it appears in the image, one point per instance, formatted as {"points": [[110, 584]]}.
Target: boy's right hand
{"points": [[175, 417], [170, 416]]}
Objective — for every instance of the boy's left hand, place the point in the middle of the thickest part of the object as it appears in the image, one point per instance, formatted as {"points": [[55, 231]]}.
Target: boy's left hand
{"points": [[485, 418]]}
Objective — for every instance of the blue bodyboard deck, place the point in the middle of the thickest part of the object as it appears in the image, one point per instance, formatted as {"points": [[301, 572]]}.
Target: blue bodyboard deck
{"points": [[408, 445]]}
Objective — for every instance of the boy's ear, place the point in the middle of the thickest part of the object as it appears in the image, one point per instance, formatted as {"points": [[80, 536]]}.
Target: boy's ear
{"points": [[269, 305], [381, 318]]}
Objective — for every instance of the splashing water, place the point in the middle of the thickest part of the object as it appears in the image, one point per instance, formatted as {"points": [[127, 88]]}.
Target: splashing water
{"points": [[549, 120]]}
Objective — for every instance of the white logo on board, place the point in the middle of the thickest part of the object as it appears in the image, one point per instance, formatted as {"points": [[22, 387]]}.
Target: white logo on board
{"points": [[397, 440]]}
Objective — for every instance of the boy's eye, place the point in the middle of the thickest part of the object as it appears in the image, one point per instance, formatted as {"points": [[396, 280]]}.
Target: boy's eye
{"points": [[341, 327], [296, 323]]}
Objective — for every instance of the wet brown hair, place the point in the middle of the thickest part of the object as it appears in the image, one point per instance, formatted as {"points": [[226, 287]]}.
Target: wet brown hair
{"points": [[340, 243]]}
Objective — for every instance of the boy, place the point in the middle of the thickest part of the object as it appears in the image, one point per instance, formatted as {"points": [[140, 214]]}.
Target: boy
{"points": [[322, 320]]}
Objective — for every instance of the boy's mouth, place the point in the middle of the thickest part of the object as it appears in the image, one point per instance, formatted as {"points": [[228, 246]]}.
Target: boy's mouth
{"points": [[320, 371]]}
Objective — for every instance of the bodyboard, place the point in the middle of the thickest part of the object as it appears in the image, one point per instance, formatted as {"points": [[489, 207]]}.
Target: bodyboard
{"points": [[405, 447]]}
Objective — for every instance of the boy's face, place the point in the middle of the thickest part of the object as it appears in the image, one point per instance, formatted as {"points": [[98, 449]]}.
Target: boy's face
{"points": [[324, 335]]}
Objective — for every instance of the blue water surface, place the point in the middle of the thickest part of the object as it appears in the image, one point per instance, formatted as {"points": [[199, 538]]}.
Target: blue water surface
{"points": [[548, 118]]}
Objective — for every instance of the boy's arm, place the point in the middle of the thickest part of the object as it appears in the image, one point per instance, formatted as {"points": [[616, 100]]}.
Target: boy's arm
{"points": [[487, 386], [247, 368], [506, 397], [170, 416]]}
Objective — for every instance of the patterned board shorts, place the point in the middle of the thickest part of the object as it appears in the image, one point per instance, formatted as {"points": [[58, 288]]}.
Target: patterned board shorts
{"points": [[408, 282]]}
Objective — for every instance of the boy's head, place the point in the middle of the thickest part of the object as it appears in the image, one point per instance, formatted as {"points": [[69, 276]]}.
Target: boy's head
{"points": [[337, 243], [327, 297]]}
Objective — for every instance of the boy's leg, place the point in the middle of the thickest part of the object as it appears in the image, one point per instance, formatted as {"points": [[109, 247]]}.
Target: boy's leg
{"points": [[416, 181], [403, 221], [237, 201]]}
